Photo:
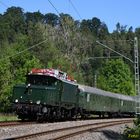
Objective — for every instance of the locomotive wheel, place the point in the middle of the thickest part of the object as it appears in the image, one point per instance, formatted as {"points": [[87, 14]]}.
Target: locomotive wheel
{"points": [[39, 118]]}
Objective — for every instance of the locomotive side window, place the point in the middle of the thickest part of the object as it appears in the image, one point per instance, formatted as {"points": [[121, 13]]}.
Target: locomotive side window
{"points": [[41, 80]]}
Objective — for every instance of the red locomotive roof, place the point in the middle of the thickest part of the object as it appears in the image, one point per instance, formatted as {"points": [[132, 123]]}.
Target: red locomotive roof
{"points": [[54, 73]]}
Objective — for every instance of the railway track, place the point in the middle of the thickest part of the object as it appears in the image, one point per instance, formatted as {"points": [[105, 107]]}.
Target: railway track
{"points": [[14, 123], [67, 132]]}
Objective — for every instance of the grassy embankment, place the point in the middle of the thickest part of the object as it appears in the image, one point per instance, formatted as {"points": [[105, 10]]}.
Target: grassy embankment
{"points": [[5, 117]]}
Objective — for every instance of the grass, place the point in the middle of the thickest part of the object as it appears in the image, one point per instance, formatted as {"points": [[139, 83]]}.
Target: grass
{"points": [[8, 117]]}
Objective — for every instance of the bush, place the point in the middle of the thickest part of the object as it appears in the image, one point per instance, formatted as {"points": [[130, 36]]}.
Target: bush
{"points": [[132, 133]]}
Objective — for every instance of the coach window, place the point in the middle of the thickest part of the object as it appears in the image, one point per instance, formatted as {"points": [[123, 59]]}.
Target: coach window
{"points": [[121, 102], [88, 97]]}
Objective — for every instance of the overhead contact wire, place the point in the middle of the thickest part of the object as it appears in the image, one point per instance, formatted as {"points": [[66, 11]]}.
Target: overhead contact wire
{"points": [[24, 50], [5, 5], [75, 9]]}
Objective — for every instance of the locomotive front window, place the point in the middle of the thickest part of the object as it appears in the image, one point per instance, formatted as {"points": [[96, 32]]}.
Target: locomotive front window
{"points": [[41, 80]]}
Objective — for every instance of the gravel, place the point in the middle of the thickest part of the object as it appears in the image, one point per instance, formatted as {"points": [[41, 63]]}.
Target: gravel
{"points": [[109, 133], [7, 132]]}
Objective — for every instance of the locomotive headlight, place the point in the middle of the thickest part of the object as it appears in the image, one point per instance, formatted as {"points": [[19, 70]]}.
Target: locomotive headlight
{"points": [[38, 102], [16, 100], [44, 110]]}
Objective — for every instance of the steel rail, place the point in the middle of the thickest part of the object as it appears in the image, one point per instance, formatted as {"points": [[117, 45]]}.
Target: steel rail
{"points": [[69, 135], [14, 123], [60, 132]]}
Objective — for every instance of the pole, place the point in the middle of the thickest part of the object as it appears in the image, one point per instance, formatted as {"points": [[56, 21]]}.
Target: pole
{"points": [[136, 67]]}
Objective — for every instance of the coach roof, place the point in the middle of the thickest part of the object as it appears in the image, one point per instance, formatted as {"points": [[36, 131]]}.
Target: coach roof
{"points": [[97, 91]]}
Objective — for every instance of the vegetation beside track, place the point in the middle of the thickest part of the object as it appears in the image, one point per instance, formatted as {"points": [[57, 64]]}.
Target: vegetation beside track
{"points": [[5, 117], [132, 133]]}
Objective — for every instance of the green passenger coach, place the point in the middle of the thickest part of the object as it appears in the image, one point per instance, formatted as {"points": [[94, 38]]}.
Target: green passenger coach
{"points": [[100, 102]]}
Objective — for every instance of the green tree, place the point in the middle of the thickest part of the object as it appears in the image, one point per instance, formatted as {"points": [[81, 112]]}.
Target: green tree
{"points": [[51, 19], [115, 76], [14, 21], [5, 84], [34, 17]]}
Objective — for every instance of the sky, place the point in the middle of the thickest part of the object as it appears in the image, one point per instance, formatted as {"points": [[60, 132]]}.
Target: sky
{"points": [[126, 12]]}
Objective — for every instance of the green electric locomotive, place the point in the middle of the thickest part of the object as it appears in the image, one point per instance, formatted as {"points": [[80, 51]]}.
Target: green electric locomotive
{"points": [[47, 94], [50, 94]]}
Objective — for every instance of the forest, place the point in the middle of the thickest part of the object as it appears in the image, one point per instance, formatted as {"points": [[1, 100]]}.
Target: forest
{"points": [[35, 40]]}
